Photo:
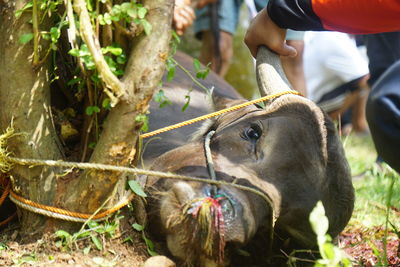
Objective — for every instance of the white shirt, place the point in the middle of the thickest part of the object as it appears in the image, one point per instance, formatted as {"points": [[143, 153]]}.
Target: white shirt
{"points": [[330, 60]]}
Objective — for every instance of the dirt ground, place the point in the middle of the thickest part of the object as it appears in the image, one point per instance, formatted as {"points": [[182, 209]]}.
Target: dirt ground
{"points": [[360, 243], [123, 249]]}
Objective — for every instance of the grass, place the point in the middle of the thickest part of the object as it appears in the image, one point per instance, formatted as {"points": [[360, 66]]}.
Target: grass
{"points": [[372, 188]]}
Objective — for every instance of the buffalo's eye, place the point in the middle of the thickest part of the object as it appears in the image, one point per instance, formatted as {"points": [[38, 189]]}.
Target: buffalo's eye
{"points": [[252, 133]]}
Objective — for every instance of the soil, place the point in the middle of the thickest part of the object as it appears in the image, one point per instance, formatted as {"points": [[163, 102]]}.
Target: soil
{"points": [[361, 244], [365, 245], [126, 249]]}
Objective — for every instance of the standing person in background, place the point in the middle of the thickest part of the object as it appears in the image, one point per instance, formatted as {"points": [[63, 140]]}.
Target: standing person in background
{"points": [[228, 17], [383, 50], [336, 76], [352, 16]]}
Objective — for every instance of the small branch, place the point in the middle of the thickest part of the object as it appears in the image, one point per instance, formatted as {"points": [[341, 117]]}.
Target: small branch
{"points": [[191, 76], [35, 33], [114, 88], [120, 28]]}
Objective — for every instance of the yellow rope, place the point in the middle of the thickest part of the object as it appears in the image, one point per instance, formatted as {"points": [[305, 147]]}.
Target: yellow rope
{"points": [[63, 214], [216, 113], [81, 217]]}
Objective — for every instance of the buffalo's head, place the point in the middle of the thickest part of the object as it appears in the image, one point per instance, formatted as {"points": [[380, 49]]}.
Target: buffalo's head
{"points": [[289, 151]]}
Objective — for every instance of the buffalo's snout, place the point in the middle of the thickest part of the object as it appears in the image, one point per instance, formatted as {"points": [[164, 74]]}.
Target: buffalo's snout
{"points": [[230, 205]]}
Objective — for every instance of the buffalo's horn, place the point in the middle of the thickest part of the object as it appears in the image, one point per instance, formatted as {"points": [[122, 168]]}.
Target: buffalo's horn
{"points": [[270, 76]]}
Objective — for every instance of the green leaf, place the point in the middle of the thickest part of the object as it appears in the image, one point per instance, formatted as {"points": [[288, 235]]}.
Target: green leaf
{"points": [[132, 12], [171, 74], [319, 222], [96, 242], [121, 59], [93, 224], [82, 234], [89, 63], [95, 78], [90, 110], [146, 26], [158, 97], [3, 246], [202, 74], [116, 51], [187, 97], [141, 11], [19, 12], [125, 6], [138, 227], [176, 38], [89, 5], [25, 38], [74, 81], [161, 98], [106, 103], [62, 234], [55, 34], [149, 243], [152, 252], [74, 52], [328, 251], [45, 35], [143, 119], [101, 19], [136, 188], [196, 65]]}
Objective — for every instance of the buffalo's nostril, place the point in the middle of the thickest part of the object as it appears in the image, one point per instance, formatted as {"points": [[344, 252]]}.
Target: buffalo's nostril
{"points": [[228, 208], [210, 190]]}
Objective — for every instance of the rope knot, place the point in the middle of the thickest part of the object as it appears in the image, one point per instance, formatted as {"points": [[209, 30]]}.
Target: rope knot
{"points": [[5, 163], [209, 227]]}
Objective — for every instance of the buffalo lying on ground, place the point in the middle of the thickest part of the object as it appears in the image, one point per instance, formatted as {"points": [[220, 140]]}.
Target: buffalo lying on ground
{"points": [[289, 150]]}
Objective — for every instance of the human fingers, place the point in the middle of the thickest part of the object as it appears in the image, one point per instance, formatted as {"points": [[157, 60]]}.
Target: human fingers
{"points": [[263, 31]]}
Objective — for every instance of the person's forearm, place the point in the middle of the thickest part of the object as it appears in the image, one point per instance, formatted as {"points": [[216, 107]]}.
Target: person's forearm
{"points": [[351, 16]]}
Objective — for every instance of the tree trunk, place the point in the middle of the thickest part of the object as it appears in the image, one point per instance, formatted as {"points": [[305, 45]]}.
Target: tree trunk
{"points": [[118, 140], [24, 96], [25, 101]]}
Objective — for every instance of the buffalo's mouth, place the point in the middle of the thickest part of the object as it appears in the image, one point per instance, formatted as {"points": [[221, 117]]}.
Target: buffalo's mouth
{"points": [[205, 217]]}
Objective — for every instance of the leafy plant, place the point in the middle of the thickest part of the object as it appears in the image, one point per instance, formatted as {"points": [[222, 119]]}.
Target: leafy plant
{"points": [[128, 12], [94, 231], [3, 246], [332, 256], [201, 73], [142, 118], [30, 259], [148, 242], [136, 188], [161, 98]]}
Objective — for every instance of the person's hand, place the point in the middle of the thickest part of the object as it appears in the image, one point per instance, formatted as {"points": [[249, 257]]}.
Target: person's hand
{"points": [[183, 16], [203, 3], [263, 31]]}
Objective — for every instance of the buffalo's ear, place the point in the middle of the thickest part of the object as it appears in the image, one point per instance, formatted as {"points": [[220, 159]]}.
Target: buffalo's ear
{"points": [[221, 102]]}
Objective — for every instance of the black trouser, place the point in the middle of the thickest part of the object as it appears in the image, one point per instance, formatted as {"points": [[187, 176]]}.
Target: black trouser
{"points": [[383, 50], [383, 115]]}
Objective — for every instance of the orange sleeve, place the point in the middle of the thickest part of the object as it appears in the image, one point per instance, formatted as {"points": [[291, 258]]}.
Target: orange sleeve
{"points": [[358, 16]]}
